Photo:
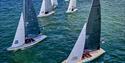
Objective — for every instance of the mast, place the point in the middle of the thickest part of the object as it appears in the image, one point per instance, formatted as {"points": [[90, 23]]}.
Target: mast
{"points": [[93, 29], [31, 23]]}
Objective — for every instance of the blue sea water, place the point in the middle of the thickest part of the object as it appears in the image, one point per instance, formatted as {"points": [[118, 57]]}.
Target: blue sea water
{"points": [[63, 30]]}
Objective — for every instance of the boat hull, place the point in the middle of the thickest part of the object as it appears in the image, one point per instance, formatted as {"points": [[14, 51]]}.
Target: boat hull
{"points": [[71, 11], [44, 15], [24, 46], [94, 54]]}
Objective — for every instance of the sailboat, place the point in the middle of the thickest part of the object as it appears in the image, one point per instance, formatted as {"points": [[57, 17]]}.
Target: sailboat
{"points": [[46, 8], [87, 47], [28, 31], [54, 3], [72, 6]]}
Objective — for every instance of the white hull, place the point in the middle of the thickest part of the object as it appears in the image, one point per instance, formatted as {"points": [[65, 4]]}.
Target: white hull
{"points": [[71, 11], [37, 40], [44, 15], [95, 54]]}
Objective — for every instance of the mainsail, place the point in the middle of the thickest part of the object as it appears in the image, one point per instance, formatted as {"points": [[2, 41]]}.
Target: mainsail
{"points": [[46, 7], [72, 5], [19, 38], [93, 28], [78, 49], [31, 23]]}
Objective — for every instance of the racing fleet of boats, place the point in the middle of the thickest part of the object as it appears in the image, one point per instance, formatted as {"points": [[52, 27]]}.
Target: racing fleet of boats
{"points": [[87, 46]]}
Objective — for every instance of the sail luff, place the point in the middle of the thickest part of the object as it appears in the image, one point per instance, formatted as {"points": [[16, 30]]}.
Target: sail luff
{"points": [[93, 29], [78, 48], [19, 38]]}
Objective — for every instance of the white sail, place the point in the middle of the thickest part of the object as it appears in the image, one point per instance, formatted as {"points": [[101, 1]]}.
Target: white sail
{"points": [[72, 5], [54, 3], [20, 33], [42, 10], [78, 49], [46, 8]]}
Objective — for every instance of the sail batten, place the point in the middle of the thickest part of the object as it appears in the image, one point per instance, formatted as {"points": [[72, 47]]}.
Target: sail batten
{"points": [[93, 29]]}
